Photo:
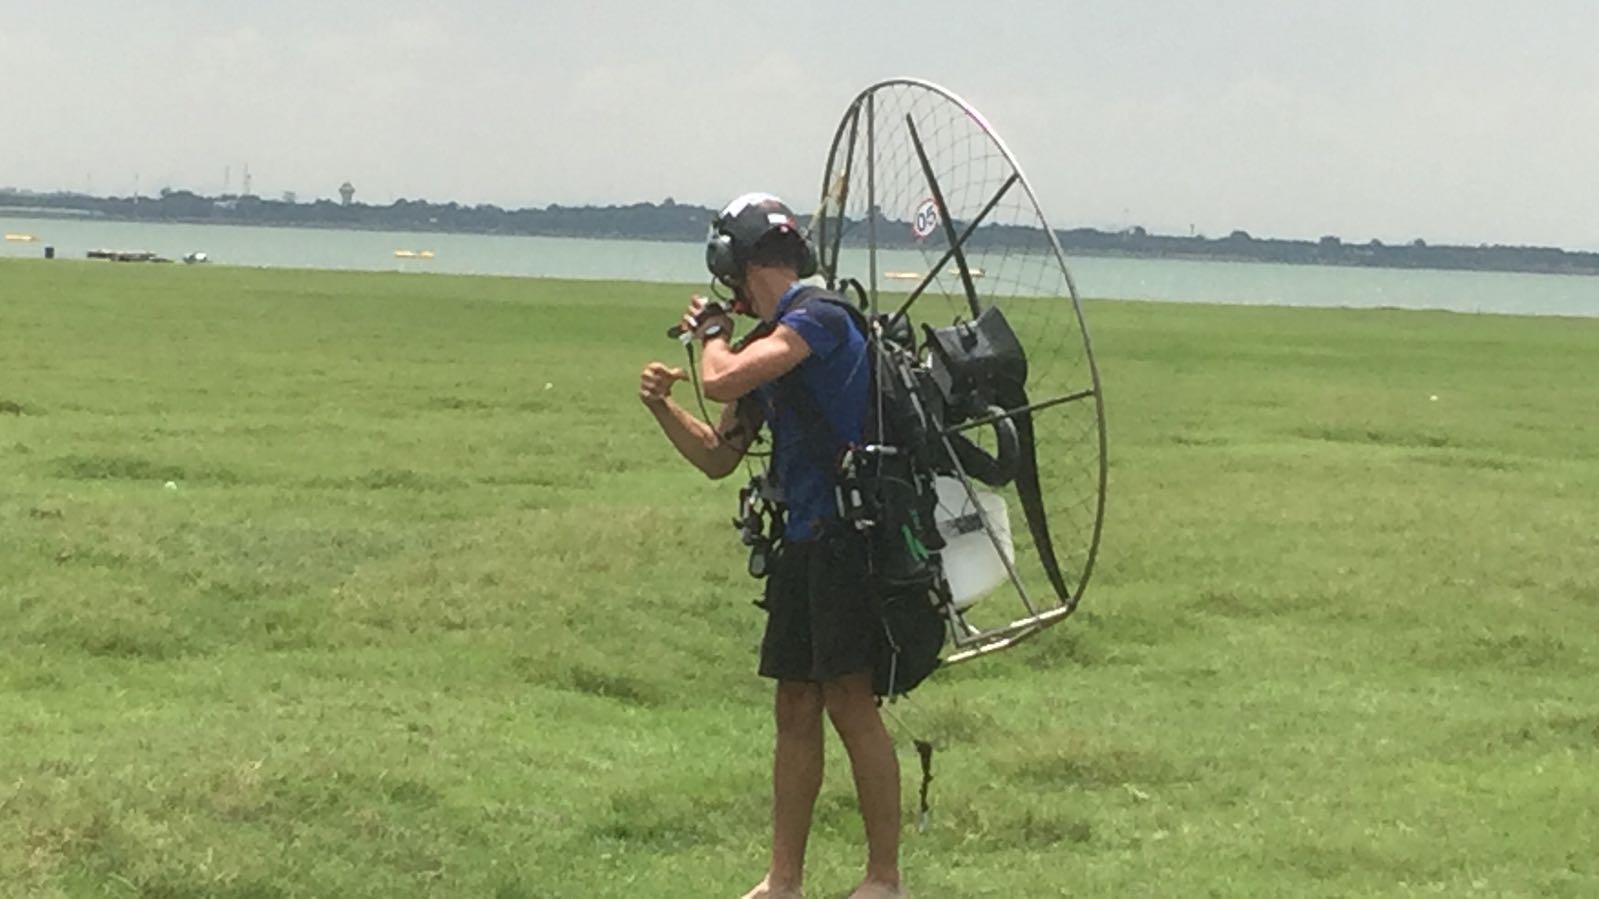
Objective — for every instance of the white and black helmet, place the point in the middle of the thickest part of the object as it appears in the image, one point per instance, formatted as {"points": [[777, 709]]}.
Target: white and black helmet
{"points": [[744, 223]]}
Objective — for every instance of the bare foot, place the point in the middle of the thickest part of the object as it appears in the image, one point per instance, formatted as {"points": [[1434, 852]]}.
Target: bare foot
{"points": [[765, 890], [877, 889]]}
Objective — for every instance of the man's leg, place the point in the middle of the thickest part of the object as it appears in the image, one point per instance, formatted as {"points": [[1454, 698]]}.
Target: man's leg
{"points": [[854, 713], [796, 779]]}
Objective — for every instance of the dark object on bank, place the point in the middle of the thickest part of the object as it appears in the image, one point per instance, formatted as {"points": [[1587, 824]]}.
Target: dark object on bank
{"points": [[126, 256], [49, 252]]}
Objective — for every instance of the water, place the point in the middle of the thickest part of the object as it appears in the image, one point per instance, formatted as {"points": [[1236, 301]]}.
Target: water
{"points": [[672, 262]]}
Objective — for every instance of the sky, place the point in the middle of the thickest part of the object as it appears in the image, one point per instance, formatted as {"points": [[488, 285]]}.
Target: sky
{"points": [[1457, 122]]}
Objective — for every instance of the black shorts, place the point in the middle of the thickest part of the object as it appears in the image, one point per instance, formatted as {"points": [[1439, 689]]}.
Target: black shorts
{"points": [[821, 622]]}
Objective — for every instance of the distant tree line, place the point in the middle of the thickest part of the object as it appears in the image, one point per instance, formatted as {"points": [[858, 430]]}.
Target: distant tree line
{"points": [[1331, 250], [648, 221], [669, 220]]}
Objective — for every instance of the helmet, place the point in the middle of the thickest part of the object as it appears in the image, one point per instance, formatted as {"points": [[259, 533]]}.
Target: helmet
{"points": [[744, 223]]}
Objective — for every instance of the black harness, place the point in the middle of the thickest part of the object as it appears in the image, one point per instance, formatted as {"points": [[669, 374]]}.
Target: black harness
{"points": [[763, 515]]}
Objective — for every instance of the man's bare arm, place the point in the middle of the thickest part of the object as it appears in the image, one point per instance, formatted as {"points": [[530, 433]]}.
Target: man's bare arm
{"points": [[704, 446], [729, 374]]}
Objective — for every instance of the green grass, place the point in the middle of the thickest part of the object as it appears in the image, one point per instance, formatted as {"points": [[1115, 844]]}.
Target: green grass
{"points": [[413, 624]]}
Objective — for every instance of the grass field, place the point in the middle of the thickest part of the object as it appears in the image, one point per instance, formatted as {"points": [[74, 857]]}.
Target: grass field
{"points": [[433, 611]]}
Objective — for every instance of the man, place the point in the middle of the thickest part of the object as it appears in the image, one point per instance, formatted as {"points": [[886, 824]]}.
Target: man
{"points": [[806, 377]]}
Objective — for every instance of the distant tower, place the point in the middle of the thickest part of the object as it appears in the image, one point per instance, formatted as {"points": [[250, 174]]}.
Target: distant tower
{"points": [[347, 192], [246, 180]]}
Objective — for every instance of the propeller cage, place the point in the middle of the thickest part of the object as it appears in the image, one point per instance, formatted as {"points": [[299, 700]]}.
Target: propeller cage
{"points": [[915, 173]]}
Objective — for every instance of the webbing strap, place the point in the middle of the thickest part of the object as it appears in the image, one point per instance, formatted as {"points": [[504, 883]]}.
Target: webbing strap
{"points": [[792, 392], [925, 750]]}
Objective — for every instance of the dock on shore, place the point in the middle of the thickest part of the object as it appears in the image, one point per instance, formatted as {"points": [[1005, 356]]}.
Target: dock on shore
{"points": [[126, 256]]}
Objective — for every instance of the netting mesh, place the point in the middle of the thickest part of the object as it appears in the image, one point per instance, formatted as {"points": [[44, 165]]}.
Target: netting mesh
{"points": [[878, 222]]}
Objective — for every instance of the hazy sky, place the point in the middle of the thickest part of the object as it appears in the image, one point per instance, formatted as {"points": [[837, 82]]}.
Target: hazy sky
{"points": [[1462, 121]]}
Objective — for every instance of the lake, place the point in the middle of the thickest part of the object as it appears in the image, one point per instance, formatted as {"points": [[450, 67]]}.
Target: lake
{"points": [[1173, 280]]}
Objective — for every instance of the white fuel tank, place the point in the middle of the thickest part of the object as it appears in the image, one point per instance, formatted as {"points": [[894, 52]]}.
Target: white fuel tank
{"points": [[972, 564]]}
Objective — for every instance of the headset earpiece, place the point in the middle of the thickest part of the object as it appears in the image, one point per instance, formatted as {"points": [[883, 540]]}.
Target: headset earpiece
{"points": [[808, 265], [719, 257]]}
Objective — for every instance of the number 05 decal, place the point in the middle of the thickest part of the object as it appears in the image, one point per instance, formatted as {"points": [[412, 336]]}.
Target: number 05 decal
{"points": [[926, 221]]}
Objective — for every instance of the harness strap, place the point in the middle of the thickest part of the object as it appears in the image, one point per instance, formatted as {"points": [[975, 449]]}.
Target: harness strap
{"points": [[793, 393], [924, 749], [924, 752]]}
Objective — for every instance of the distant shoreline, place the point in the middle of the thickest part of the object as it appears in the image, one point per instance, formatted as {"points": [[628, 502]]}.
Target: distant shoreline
{"points": [[680, 223]]}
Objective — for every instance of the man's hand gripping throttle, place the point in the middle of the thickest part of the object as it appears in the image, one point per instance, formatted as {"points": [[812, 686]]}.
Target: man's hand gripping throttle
{"points": [[703, 318]]}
